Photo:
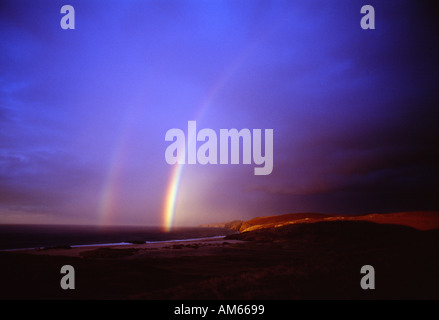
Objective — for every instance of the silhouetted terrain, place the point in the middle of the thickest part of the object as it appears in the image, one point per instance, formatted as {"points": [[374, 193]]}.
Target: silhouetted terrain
{"points": [[320, 260]]}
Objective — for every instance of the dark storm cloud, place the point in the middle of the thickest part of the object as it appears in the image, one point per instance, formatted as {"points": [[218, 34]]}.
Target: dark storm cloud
{"points": [[42, 181]]}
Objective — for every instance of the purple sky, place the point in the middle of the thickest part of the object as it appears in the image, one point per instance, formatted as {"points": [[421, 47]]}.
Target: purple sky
{"points": [[84, 112]]}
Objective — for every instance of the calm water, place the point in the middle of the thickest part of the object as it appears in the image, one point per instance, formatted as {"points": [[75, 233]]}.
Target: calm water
{"points": [[36, 236]]}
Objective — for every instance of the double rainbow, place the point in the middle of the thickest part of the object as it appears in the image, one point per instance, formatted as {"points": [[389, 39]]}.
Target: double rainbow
{"points": [[109, 192]]}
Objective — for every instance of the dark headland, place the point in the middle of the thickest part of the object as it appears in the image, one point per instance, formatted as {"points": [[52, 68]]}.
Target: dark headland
{"points": [[293, 256]]}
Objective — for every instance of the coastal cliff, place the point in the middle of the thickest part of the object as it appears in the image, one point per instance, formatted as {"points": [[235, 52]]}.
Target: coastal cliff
{"points": [[421, 220]]}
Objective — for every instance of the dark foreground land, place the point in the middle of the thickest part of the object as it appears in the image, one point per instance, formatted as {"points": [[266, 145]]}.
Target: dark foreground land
{"points": [[319, 260]]}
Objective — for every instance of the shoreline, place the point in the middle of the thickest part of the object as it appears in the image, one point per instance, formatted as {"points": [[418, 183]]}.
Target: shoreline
{"points": [[152, 249], [111, 244]]}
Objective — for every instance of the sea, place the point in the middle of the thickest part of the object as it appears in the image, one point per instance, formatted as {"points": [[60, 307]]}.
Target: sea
{"points": [[15, 237]]}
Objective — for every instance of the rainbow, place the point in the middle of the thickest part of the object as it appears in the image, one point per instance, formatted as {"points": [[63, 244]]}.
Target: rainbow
{"points": [[109, 190], [176, 173], [171, 196], [177, 170], [110, 187]]}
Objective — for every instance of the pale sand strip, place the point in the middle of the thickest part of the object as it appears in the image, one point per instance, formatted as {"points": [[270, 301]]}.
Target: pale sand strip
{"points": [[154, 248]]}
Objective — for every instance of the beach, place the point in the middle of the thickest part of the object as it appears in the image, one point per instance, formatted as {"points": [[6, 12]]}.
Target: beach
{"points": [[155, 249], [122, 271], [319, 260]]}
